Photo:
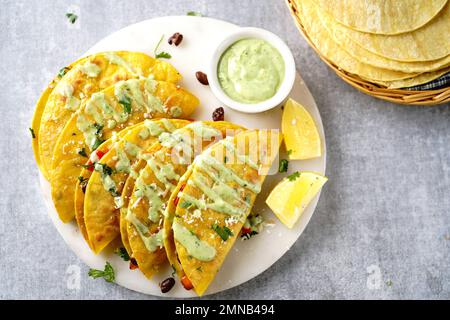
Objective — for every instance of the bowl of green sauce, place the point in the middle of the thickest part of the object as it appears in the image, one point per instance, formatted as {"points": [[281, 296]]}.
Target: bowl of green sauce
{"points": [[252, 70]]}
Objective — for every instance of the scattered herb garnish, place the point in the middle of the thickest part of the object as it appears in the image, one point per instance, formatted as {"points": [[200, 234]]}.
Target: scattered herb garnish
{"points": [[98, 128], [223, 232], [125, 101], [113, 192], [294, 176], [72, 17], [97, 143], [174, 271], [98, 134], [32, 133], [107, 274], [62, 72], [82, 152], [199, 269], [122, 252], [83, 183], [194, 14], [283, 167], [164, 55], [185, 204], [81, 179], [389, 283], [289, 152], [161, 54], [105, 169], [248, 235]]}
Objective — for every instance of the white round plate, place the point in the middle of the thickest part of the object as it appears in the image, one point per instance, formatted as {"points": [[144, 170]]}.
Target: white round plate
{"points": [[200, 37]]}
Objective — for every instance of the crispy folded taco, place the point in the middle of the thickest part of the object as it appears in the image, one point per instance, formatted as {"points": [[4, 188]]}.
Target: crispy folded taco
{"points": [[86, 173], [166, 162], [96, 73], [105, 113], [208, 210], [102, 200], [40, 105]]}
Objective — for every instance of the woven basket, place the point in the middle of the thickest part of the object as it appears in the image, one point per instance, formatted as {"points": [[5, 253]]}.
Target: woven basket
{"points": [[429, 97]]}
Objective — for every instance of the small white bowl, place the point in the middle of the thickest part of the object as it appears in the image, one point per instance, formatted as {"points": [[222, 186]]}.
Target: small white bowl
{"points": [[285, 87]]}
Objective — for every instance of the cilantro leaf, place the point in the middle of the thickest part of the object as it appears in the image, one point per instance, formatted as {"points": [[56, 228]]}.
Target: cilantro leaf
{"points": [[194, 14], [162, 54], [122, 252], [107, 273], [248, 235], [97, 143], [125, 101], [82, 152], [103, 168], [294, 176], [62, 72], [72, 17], [283, 167], [98, 128], [223, 232], [106, 169], [185, 204]]}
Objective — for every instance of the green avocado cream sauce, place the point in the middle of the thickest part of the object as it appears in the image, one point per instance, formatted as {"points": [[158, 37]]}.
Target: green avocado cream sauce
{"points": [[197, 248], [251, 71]]}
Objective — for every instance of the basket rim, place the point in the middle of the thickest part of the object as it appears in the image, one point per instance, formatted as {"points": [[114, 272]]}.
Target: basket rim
{"points": [[401, 96]]}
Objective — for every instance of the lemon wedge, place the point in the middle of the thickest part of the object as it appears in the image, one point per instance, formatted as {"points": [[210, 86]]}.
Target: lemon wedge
{"points": [[292, 195], [300, 133]]}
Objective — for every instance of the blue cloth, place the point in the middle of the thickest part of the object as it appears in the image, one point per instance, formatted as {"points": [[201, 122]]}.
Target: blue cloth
{"points": [[441, 82]]}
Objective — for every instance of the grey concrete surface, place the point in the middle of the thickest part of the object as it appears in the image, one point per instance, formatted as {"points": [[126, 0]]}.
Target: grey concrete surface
{"points": [[381, 229]]}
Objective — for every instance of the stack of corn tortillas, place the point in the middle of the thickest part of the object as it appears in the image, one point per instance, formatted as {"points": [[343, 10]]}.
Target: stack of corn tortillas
{"points": [[395, 44]]}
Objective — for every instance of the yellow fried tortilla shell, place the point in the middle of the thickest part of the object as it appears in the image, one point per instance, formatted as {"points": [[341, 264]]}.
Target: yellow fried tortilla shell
{"points": [[169, 214], [335, 53], [428, 43], [383, 16], [86, 173], [415, 81], [126, 195], [101, 205], [105, 113], [98, 72], [339, 35], [166, 162], [36, 122], [216, 199]]}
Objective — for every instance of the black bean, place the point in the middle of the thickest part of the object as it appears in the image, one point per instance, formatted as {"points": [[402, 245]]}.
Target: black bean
{"points": [[218, 114], [167, 284], [133, 264], [176, 39], [202, 78]]}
